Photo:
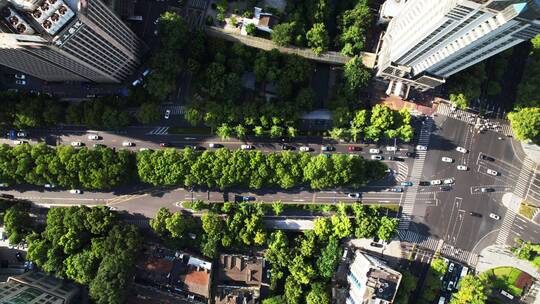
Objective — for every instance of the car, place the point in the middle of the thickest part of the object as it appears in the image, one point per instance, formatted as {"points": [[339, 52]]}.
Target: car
{"points": [[353, 195], [374, 151], [447, 159], [424, 183], [146, 72], [485, 157], [4, 185], [327, 148], [492, 172], [445, 188], [20, 76], [305, 149], [76, 144], [22, 134], [164, 144], [462, 150], [246, 147], [20, 82], [93, 137], [128, 144], [157, 21], [486, 189], [450, 286], [397, 189], [242, 198], [287, 147], [354, 148], [196, 148], [75, 191], [462, 168], [421, 148], [376, 157], [410, 154], [10, 196], [214, 145], [391, 148], [406, 184], [375, 244], [475, 214], [448, 181], [19, 257], [19, 142], [49, 186], [451, 267], [435, 182], [395, 158], [136, 82], [167, 114], [494, 216], [99, 146], [144, 149]]}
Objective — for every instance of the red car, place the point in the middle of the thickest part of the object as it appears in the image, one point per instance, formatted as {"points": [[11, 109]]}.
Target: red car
{"points": [[354, 148], [164, 145]]}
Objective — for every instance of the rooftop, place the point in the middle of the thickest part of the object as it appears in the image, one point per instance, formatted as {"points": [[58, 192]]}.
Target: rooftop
{"points": [[240, 269]]}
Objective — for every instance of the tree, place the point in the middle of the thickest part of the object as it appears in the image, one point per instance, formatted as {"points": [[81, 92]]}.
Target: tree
{"points": [[356, 74], [276, 131], [277, 207], [240, 131], [358, 123], [17, 223], [472, 290], [292, 132], [293, 290], [322, 228], [176, 225], [274, 300], [282, 33], [148, 113], [526, 123], [406, 287], [338, 133], [317, 38], [329, 258], [387, 228], [224, 131], [341, 225], [251, 29], [459, 101], [318, 294], [193, 116], [258, 130]]}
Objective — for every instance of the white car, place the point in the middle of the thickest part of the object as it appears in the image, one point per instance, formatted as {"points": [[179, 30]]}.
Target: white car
{"points": [[494, 216], [93, 137], [20, 76], [4, 185], [374, 151], [21, 134], [462, 168], [246, 147], [18, 142], [167, 114], [49, 186], [462, 150], [75, 191], [128, 144], [20, 82], [492, 172], [421, 148], [436, 182], [143, 149], [448, 181], [447, 159], [376, 157], [305, 149], [391, 148], [354, 195], [76, 144]]}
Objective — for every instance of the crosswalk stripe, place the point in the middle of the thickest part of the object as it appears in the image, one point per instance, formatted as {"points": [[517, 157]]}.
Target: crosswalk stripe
{"points": [[504, 232], [446, 110], [159, 131]]}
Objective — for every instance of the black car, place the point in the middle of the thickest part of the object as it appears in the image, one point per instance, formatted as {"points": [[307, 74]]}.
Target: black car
{"points": [[485, 157], [445, 188], [424, 183], [410, 154], [375, 244], [395, 158], [475, 214], [19, 257], [287, 147]]}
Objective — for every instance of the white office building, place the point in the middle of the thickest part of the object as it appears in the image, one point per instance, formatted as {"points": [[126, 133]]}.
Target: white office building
{"points": [[429, 40]]}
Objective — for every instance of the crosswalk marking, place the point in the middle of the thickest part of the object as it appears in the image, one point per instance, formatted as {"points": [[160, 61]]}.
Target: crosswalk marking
{"points": [[416, 173], [159, 131], [416, 238], [403, 170], [506, 227], [175, 109], [525, 174], [446, 110]]}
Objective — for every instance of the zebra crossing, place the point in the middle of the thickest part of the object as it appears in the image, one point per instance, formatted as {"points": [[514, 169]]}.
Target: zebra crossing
{"points": [[525, 174], [416, 174], [506, 227], [460, 255], [501, 126], [159, 131], [403, 170], [175, 109], [418, 239]]}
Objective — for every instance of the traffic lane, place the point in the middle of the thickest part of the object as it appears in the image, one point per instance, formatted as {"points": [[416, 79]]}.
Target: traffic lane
{"points": [[525, 230]]}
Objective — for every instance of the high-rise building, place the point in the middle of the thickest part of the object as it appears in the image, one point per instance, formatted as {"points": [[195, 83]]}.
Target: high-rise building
{"points": [[428, 40], [61, 40]]}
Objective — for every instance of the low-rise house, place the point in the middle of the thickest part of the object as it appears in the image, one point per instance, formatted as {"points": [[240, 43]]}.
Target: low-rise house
{"points": [[239, 279]]}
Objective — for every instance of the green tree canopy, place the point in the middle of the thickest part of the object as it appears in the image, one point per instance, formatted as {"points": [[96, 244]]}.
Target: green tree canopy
{"points": [[526, 123]]}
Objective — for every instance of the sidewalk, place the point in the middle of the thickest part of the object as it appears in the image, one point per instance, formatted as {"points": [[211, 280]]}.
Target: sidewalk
{"points": [[533, 152], [500, 256]]}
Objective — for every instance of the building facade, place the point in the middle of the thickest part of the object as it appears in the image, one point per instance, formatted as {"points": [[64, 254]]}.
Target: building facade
{"points": [[38, 288], [427, 41], [67, 40]]}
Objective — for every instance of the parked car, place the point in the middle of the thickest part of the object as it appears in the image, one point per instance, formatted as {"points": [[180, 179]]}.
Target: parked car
{"points": [[421, 148], [167, 114], [492, 172], [353, 195], [462, 150], [164, 144], [22, 134], [377, 245], [20, 76], [436, 182], [93, 137], [19, 142], [395, 158], [246, 147], [462, 168], [305, 149], [4, 185], [49, 186], [376, 157], [144, 149], [77, 144], [494, 216], [485, 157], [354, 148], [128, 144], [391, 148], [424, 183], [448, 181], [374, 151], [286, 147], [327, 148], [214, 145], [486, 189], [475, 214], [20, 82], [406, 184], [75, 191], [447, 159]]}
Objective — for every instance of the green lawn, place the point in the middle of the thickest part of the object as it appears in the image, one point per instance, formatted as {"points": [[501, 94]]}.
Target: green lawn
{"points": [[505, 278], [526, 210], [190, 131]]}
